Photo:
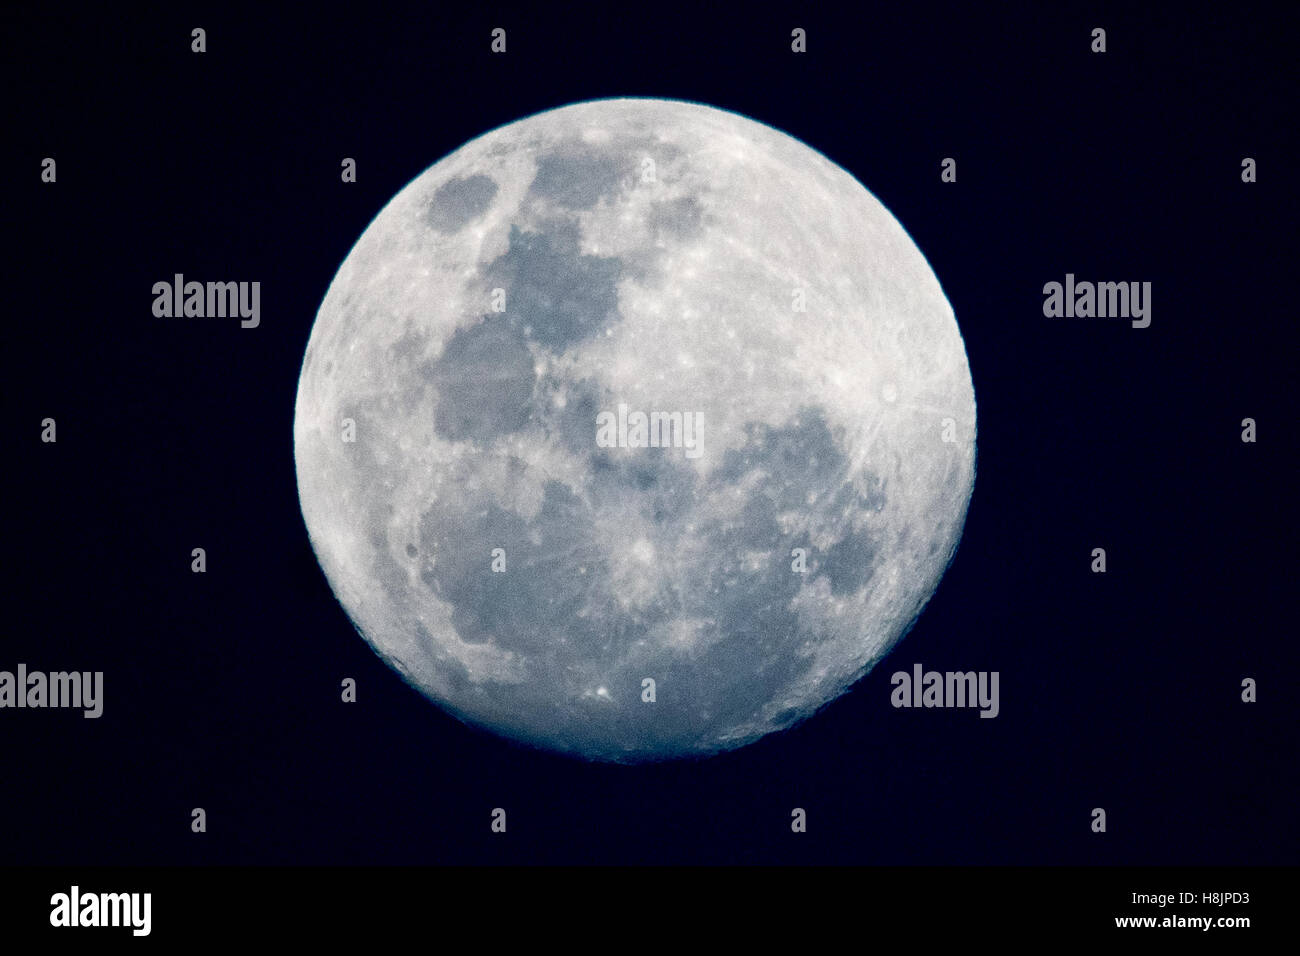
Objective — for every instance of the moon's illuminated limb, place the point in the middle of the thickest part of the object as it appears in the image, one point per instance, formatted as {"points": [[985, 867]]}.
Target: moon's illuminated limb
{"points": [[652, 253]]}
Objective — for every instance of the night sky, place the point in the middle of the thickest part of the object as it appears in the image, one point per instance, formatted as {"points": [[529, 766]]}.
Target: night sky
{"points": [[1119, 690]]}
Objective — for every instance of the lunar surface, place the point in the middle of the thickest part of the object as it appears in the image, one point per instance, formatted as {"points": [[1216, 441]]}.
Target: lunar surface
{"points": [[635, 430]]}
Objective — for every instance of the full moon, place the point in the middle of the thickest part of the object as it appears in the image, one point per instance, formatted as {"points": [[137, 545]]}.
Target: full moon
{"points": [[634, 430]]}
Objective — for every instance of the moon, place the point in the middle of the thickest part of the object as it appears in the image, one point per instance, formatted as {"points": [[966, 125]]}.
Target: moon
{"points": [[473, 463]]}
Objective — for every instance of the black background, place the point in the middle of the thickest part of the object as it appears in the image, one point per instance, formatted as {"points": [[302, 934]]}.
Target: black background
{"points": [[222, 690]]}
